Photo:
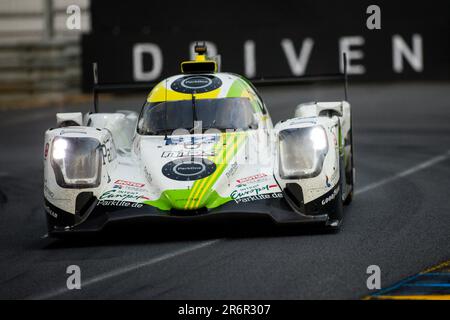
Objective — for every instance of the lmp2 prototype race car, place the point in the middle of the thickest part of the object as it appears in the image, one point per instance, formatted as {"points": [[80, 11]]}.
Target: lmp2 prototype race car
{"points": [[203, 146]]}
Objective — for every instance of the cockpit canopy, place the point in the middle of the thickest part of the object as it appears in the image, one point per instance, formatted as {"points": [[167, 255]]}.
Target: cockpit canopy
{"points": [[162, 118]]}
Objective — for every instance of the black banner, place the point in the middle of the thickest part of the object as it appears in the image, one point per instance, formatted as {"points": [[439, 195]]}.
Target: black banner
{"points": [[146, 41], [222, 309]]}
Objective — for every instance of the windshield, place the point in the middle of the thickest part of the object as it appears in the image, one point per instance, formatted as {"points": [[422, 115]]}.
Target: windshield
{"points": [[159, 118]]}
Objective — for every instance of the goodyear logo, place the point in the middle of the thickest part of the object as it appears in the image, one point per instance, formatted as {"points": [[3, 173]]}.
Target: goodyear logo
{"points": [[331, 196]]}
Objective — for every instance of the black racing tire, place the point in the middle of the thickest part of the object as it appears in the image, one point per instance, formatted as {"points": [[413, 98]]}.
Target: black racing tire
{"points": [[336, 217], [349, 170], [348, 199]]}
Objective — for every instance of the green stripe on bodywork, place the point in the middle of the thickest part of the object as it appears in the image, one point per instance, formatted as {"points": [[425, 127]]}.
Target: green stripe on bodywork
{"points": [[235, 89], [219, 149], [228, 154], [176, 199], [196, 197], [201, 194]]}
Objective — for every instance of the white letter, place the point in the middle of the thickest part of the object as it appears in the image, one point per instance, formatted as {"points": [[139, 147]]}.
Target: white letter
{"points": [[212, 49], [414, 56], [374, 280], [180, 310], [374, 21], [139, 50], [249, 58], [344, 47], [74, 20], [297, 64], [74, 281]]}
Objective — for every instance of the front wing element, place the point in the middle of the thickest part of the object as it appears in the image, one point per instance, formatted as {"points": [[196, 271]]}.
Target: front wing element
{"points": [[282, 208]]}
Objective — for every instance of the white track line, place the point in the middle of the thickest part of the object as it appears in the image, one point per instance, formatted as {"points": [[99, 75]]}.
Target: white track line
{"points": [[126, 269], [421, 166], [170, 255]]}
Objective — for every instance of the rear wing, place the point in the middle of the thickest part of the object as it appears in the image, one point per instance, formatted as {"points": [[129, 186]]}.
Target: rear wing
{"points": [[135, 87], [332, 77]]}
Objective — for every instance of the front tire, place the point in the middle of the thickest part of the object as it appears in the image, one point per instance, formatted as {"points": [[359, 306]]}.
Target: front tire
{"points": [[336, 217], [349, 166]]}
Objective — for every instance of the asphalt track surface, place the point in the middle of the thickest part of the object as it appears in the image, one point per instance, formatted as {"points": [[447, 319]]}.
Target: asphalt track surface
{"points": [[399, 219]]}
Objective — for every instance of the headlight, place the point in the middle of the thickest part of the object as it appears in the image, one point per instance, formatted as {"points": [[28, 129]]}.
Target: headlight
{"points": [[76, 162], [302, 152]]}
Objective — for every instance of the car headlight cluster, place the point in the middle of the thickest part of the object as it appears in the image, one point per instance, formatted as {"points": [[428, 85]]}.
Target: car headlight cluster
{"points": [[302, 152], [76, 162]]}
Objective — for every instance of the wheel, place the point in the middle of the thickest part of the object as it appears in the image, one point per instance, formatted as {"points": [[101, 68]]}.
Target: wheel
{"points": [[349, 198], [349, 169], [336, 215]]}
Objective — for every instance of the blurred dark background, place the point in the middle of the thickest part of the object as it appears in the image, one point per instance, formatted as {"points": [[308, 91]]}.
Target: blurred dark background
{"points": [[43, 61], [258, 28]]}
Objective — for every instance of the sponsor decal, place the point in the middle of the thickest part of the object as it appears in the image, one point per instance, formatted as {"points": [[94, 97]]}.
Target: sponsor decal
{"points": [[147, 174], [129, 183], [48, 192], [255, 178], [123, 195], [199, 82], [46, 151], [188, 169], [331, 196], [191, 141], [266, 196], [189, 153], [196, 84], [248, 190], [108, 153], [232, 170], [118, 186], [120, 203], [51, 212]]}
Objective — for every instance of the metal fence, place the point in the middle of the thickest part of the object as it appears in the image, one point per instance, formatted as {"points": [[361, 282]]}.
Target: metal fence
{"points": [[39, 56]]}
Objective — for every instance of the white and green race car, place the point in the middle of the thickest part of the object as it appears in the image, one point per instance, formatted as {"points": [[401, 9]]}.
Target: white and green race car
{"points": [[203, 146]]}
